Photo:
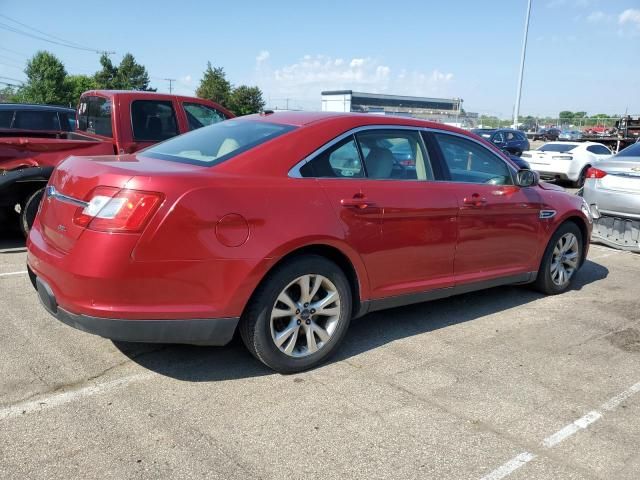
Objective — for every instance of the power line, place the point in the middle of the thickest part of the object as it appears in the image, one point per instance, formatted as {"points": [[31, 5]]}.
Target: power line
{"points": [[40, 31], [12, 79], [63, 44]]}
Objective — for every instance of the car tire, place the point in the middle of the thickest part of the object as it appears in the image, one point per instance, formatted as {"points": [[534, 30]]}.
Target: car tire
{"points": [[561, 260], [290, 343], [29, 211], [579, 183]]}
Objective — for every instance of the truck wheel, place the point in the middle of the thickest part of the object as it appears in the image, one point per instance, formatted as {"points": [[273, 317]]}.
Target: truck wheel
{"points": [[29, 211], [299, 315]]}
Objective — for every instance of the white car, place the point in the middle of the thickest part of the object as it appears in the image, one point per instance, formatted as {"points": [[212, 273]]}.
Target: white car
{"points": [[566, 160]]}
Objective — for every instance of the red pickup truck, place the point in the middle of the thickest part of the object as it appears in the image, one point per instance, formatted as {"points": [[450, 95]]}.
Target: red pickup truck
{"points": [[109, 122]]}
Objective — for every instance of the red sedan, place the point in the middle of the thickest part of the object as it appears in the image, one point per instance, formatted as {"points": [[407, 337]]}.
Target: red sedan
{"points": [[285, 226]]}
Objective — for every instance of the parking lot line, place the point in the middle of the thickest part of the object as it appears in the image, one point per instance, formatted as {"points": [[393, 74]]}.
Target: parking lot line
{"points": [[8, 274], [561, 435], [58, 399]]}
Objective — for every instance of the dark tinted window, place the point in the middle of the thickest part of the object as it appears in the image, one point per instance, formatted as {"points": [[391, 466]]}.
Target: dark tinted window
{"points": [[153, 120], [36, 120], [94, 116], [200, 115], [557, 147], [598, 150], [218, 142], [6, 116], [67, 121], [342, 160], [630, 151], [470, 162]]}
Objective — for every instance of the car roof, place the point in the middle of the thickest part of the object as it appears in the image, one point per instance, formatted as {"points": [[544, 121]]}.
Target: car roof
{"points": [[300, 119], [135, 93], [34, 106]]}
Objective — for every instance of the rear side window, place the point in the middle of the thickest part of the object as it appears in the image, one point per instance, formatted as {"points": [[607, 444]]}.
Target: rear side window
{"points": [[598, 150], [6, 116], [469, 162], [153, 120], [342, 160], [200, 116], [36, 120], [94, 116], [218, 142]]}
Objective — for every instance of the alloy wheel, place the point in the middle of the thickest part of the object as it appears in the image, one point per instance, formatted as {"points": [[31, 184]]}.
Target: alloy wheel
{"points": [[564, 260], [305, 315]]}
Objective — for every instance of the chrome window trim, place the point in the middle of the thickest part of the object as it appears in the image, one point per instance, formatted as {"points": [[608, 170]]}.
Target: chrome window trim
{"points": [[294, 172]]}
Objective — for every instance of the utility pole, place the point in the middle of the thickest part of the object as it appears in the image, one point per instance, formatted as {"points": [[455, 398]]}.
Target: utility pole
{"points": [[170, 80], [516, 110]]}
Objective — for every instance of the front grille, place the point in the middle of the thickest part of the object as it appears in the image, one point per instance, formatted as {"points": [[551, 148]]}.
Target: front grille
{"points": [[620, 231]]}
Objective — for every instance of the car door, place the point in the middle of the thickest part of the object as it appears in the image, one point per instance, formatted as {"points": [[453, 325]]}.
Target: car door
{"points": [[499, 222], [380, 183]]}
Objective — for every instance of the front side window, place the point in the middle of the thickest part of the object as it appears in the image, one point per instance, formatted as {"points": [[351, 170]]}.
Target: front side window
{"points": [[469, 162], [498, 138], [94, 116], [341, 160], [394, 154], [153, 120], [216, 143], [200, 116]]}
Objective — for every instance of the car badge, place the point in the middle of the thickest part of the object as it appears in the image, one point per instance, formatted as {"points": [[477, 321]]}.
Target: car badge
{"points": [[62, 228]]}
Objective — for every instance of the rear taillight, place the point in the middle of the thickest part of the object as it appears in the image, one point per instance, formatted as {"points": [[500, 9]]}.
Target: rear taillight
{"points": [[113, 210], [595, 173]]}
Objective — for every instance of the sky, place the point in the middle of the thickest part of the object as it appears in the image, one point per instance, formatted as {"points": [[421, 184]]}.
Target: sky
{"points": [[582, 55]]}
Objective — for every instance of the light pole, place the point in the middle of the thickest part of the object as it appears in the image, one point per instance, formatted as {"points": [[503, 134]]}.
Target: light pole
{"points": [[516, 110]]}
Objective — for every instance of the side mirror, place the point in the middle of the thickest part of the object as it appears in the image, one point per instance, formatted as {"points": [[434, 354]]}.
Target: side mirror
{"points": [[527, 178]]}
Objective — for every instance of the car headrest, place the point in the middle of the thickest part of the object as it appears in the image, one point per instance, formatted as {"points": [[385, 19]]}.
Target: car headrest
{"points": [[379, 163]]}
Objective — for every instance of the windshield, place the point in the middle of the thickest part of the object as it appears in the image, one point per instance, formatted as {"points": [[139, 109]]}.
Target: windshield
{"points": [[216, 143], [630, 151], [557, 147]]}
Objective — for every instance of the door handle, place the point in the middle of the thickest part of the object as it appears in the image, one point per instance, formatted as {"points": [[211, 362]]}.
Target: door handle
{"points": [[475, 201], [357, 202]]}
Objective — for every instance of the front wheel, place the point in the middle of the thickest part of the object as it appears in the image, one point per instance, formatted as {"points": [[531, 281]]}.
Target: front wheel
{"points": [[29, 211], [299, 315], [562, 259]]}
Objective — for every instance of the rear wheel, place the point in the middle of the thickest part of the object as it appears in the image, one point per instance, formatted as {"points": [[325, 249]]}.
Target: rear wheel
{"points": [[581, 178], [29, 211], [299, 315], [562, 259]]}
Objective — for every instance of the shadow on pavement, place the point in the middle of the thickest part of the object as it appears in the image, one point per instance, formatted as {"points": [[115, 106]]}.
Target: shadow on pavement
{"points": [[206, 364], [12, 241]]}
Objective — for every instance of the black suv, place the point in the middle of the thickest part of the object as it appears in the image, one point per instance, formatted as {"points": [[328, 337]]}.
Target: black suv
{"points": [[511, 141]]}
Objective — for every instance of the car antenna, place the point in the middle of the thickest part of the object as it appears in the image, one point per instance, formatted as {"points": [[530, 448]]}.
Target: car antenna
{"points": [[266, 112]]}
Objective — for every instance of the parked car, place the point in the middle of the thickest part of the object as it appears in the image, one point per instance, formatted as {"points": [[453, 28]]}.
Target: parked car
{"points": [[570, 135], [109, 121], [546, 134], [25, 117], [566, 161], [612, 190], [253, 224], [511, 141]]}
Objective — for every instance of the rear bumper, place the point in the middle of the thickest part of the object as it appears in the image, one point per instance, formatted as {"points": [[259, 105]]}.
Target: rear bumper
{"points": [[207, 331]]}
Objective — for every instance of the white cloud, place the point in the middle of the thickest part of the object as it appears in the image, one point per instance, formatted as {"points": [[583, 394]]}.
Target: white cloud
{"points": [[302, 81], [597, 17], [630, 15], [187, 79], [263, 56]]}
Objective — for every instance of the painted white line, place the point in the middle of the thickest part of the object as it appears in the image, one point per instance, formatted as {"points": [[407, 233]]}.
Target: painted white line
{"points": [[510, 467], [562, 434], [58, 399], [9, 274]]}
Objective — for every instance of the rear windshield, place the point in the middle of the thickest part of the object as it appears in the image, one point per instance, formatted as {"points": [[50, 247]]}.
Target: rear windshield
{"points": [[216, 143], [557, 147], [630, 151]]}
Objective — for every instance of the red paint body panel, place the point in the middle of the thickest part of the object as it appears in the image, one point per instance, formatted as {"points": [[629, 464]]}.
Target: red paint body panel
{"points": [[414, 237]]}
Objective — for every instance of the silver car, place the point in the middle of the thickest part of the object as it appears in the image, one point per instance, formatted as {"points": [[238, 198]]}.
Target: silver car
{"points": [[612, 191]]}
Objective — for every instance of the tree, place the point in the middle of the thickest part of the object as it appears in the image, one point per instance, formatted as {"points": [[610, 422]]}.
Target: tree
{"points": [[565, 115], [245, 100], [76, 85], [45, 80], [129, 75], [10, 94], [214, 86]]}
